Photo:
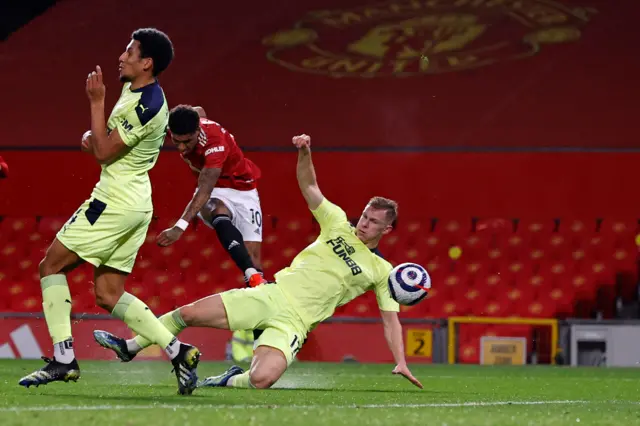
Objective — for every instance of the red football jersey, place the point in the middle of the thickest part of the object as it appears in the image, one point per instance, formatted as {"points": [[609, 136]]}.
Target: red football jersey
{"points": [[216, 148]]}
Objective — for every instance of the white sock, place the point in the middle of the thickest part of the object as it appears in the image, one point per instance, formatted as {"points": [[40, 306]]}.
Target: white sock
{"points": [[173, 349], [63, 351], [249, 272], [133, 347]]}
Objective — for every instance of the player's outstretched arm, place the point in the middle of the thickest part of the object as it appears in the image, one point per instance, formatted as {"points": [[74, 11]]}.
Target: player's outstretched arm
{"points": [[306, 173], [206, 182], [393, 335], [104, 147]]}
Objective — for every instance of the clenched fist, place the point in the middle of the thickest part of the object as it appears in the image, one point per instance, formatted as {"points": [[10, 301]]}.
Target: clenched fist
{"points": [[302, 142]]}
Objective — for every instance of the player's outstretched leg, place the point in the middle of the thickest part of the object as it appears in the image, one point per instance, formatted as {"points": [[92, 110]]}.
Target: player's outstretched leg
{"points": [[56, 303], [126, 350], [110, 295], [267, 366]]}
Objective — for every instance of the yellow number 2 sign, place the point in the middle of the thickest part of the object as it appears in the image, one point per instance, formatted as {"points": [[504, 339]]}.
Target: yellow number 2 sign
{"points": [[419, 342]]}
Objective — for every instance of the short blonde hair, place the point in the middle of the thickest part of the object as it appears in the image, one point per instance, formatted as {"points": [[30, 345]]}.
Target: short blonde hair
{"points": [[390, 206]]}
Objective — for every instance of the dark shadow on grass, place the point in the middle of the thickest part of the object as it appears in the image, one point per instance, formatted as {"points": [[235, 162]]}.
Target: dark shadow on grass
{"points": [[393, 391], [207, 396]]}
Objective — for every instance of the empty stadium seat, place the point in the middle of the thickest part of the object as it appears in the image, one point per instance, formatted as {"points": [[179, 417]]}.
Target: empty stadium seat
{"points": [[537, 268]]}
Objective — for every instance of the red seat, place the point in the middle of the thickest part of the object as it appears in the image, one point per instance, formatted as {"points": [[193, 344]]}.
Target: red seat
{"points": [[620, 230], [49, 226], [517, 295], [435, 245], [495, 228], [475, 246], [536, 283], [577, 227], [514, 271], [561, 297], [411, 231], [453, 229], [17, 290], [455, 282], [535, 233], [11, 254], [601, 272], [599, 246], [513, 246], [363, 306], [495, 308], [474, 269], [12, 228], [559, 272], [490, 282], [539, 309], [583, 285], [449, 308], [420, 310], [28, 303], [475, 299], [145, 290]]}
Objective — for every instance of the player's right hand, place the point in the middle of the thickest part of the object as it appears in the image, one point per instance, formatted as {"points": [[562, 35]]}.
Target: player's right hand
{"points": [[302, 142], [169, 236], [95, 87], [403, 370]]}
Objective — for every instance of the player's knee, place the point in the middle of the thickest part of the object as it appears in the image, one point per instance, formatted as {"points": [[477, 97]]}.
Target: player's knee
{"points": [[188, 314], [46, 267], [206, 211], [218, 220], [263, 379]]}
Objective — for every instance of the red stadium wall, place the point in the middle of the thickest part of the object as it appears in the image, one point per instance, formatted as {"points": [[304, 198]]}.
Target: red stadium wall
{"points": [[29, 338], [539, 185], [574, 90], [565, 79]]}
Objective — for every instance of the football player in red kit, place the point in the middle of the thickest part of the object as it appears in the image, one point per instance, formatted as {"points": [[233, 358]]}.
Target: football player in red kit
{"points": [[227, 197]]}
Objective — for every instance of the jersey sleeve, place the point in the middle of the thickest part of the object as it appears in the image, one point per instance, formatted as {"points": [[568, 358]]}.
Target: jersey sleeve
{"points": [[329, 215], [216, 151], [383, 295]]}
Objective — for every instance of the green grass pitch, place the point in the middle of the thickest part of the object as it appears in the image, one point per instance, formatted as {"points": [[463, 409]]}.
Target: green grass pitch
{"points": [[144, 393]]}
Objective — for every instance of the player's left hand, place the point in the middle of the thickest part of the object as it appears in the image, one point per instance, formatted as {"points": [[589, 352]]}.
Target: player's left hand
{"points": [[95, 87], [169, 236], [403, 370]]}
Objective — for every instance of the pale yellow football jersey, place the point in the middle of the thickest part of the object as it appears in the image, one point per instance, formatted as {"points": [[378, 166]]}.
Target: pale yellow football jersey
{"points": [[334, 270], [141, 117]]}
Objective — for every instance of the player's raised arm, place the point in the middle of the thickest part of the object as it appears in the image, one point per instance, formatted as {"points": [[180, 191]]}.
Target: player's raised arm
{"points": [[306, 173], [393, 335], [104, 147], [206, 182]]}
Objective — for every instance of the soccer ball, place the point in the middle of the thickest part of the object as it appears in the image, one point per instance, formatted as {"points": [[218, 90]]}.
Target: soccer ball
{"points": [[409, 283]]}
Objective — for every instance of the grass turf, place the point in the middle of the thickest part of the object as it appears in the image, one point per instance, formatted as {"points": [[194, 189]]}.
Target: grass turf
{"points": [[140, 393]]}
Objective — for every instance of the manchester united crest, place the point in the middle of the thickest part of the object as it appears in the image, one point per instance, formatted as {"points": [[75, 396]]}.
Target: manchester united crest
{"points": [[413, 37]]}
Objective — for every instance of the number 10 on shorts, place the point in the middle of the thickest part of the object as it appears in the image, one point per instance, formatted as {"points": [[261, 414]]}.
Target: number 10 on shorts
{"points": [[256, 218]]}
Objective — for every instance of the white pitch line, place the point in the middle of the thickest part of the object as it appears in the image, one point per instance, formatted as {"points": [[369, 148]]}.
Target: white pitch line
{"points": [[273, 406]]}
